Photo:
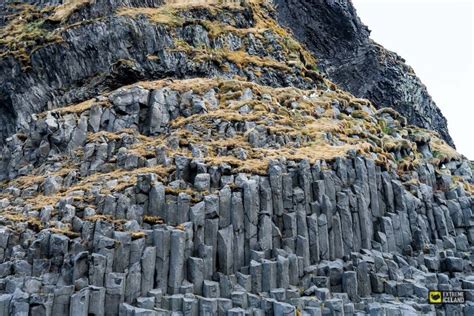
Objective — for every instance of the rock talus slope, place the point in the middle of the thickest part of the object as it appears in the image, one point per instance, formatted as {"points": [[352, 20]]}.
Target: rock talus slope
{"points": [[190, 158]]}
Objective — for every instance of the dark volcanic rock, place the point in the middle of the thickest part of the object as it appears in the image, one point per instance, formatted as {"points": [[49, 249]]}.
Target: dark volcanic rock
{"points": [[262, 190], [332, 30], [99, 50], [103, 51]]}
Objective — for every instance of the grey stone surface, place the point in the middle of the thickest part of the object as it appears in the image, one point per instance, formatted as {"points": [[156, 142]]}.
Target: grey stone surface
{"points": [[5, 300], [62, 297], [133, 283], [211, 289], [225, 238], [251, 207], [283, 270], [148, 261], [146, 200], [80, 303], [363, 279], [269, 275], [225, 207], [97, 267], [96, 301], [162, 241], [349, 284], [256, 273], [283, 308], [323, 237], [176, 261], [313, 236], [196, 273], [115, 292]]}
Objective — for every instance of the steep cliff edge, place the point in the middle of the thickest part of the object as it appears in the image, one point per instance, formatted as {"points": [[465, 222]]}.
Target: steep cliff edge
{"points": [[211, 169], [332, 30]]}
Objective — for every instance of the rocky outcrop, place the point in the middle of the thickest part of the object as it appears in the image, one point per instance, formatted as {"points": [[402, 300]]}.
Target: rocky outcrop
{"points": [[330, 29], [334, 33], [124, 48], [169, 206], [265, 189]]}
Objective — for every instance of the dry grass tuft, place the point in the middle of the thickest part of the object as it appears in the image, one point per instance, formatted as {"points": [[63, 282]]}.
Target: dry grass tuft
{"points": [[64, 11], [126, 178], [153, 220], [163, 15], [443, 152], [76, 108], [33, 222], [65, 232], [137, 235], [24, 33]]}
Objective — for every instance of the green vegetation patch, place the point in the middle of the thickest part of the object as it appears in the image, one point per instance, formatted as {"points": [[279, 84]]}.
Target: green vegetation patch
{"points": [[25, 32]]}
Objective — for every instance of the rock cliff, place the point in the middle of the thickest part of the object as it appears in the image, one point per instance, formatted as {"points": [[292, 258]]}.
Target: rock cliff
{"points": [[332, 30], [191, 158]]}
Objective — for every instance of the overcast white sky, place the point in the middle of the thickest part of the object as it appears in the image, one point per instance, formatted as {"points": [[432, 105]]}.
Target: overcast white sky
{"points": [[436, 38]]}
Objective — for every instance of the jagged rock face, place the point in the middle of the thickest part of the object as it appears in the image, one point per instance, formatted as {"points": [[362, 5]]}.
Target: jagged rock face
{"points": [[124, 48], [201, 197], [330, 29], [264, 190], [333, 31]]}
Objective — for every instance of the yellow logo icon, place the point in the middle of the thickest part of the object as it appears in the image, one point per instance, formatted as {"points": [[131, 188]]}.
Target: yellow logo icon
{"points": [[435, 297]]}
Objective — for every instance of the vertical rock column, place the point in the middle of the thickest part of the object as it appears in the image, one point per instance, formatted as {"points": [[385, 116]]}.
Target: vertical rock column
{"points": [[265, 225], [161, 238], [196, 273], [80, 303], [323, 237], [176, 263], [237, 219], [365, 222], [115, 292], [346, 222], [313, 235], [148, 262], [225, 238], [211, 227], [251, 209]]}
